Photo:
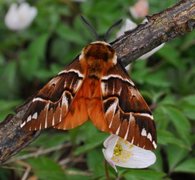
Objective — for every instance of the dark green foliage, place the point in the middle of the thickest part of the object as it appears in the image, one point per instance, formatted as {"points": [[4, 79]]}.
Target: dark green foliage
{"points": [[28, 59]]}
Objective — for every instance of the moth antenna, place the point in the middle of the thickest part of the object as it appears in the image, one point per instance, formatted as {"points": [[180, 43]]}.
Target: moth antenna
{"points": [[90, 27], [117, 23]]}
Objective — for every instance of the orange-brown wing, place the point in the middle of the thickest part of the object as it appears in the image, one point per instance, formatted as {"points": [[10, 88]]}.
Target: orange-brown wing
{"points": [[77, 113], [92, 89], [51, 104], [126, 111]]}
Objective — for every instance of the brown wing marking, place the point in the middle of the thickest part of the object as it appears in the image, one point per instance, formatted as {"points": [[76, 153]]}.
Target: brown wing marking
{"points": [[77, 113], [126, 112], [51, 104]]}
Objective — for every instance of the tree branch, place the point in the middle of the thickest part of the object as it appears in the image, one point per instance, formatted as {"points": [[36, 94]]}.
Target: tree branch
{"points": [[160, 28], [12, 138]]}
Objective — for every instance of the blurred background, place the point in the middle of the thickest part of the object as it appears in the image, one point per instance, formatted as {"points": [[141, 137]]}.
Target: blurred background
{"points": [[39, 37]]}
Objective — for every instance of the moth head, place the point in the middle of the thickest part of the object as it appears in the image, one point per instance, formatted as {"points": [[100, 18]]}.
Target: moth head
{"points": [[99, 50]]}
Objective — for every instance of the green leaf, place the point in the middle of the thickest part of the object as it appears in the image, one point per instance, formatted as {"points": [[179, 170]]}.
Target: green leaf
{"points": [[68, 34], [5, 174], [80, 134], [171, 55], [92, 143], [186, 166], [188, 109], [180, 122], [95, 162], [158, 80], [166, 137], [57, 138], [29, 67], [6, 107], [189, 99], [38, 46], [45, 168], [160, 118], [60, 50], [144, 175], [9, 85], [139, 72], [158, 165], [175, 155], [2, 60]]}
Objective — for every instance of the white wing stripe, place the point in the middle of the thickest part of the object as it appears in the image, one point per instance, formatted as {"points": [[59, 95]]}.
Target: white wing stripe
{"points": [[119, 77], [72, 70]]}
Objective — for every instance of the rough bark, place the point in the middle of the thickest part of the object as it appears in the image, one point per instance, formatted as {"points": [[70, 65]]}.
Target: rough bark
{"points": [[161, 27]]}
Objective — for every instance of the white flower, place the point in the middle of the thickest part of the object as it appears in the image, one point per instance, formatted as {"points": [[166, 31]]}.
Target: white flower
{"points": [[119, 152], [20, 16], [140, 9]]}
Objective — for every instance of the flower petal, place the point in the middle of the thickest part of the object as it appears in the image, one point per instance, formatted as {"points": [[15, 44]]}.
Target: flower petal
{"points": [[111, 141], [108, 151], [108, 156], [136, 157], [20, 16], [119, 152]]}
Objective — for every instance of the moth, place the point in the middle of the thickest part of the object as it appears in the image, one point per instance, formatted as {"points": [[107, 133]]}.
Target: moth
{"points": [[95, 87]]}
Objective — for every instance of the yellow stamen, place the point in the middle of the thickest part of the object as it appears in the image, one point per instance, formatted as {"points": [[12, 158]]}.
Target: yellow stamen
{"points": [[120, 154], [117, 150]]}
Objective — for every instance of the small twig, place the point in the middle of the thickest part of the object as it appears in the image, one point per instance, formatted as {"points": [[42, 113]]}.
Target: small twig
{"points": [[82, 173], [39, 153], [72, 160], [12, 168], [64, 161], [27, 170]]}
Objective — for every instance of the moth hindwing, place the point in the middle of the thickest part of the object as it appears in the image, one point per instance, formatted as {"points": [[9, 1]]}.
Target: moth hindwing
{"points": [[94, 86]]}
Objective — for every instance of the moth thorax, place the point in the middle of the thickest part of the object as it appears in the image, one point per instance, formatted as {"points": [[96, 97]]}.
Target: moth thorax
{"points": [[98, 56], [99, 50]]}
